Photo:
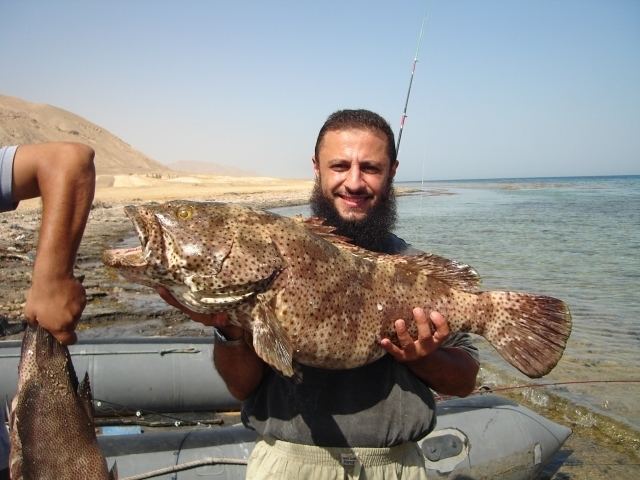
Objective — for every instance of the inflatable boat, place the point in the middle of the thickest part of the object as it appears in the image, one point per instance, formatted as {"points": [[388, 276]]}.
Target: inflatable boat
{"points": [[478, 437]]}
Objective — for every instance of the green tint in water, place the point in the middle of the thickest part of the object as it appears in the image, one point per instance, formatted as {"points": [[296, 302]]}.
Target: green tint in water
{"points": [[576, 239]]}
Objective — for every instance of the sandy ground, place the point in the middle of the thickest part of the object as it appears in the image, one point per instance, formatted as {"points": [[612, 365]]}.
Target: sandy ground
{"points": [[118, 308], [256, 190]]}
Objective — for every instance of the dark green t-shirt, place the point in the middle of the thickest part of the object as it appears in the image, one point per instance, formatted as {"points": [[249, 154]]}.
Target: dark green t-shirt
{"points": [[377, 405]]}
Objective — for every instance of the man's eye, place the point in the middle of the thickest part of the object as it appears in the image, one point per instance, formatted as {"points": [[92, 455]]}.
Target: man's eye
{"points": [[339, 168], [371, 170]]}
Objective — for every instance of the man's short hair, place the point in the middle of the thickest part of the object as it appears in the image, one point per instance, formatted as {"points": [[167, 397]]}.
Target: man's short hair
{"points": [[361, 118]]}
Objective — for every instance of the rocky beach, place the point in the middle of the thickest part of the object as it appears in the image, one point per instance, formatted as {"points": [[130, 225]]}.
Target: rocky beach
{"points": [[112, 301], [117, 308]]}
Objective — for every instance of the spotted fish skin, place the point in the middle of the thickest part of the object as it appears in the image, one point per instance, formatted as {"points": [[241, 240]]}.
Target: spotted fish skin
{"points": [[309, 296], [51, 421]]}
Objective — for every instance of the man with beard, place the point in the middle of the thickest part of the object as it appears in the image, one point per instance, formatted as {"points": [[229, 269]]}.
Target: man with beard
{"points": [[363, 421]]}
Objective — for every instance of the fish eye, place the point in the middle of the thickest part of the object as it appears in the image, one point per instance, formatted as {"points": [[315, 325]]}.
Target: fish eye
{"points": [[184, 213]]}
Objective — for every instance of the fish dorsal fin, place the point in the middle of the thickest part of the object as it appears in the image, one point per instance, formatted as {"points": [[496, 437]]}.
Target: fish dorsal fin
{"points": [[86, 399], [451, 272], [318, 226], [458, 275]]}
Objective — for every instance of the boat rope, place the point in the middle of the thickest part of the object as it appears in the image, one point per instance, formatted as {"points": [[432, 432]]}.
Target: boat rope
{"points": [[160, 352], [139, 413], [88, 353], [188, 466], [413, 71]]}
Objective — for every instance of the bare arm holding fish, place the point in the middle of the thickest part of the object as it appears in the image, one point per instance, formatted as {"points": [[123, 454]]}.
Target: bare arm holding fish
{"points": [[448, 370], [63, 174]]}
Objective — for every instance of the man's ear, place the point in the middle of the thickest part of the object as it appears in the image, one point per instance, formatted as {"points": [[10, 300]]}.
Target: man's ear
{"points": [[394, 167], [316, 166]]}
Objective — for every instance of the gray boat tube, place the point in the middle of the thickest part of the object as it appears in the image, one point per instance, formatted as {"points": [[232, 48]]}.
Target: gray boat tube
{"points": [[480, 437], [163, 374]]}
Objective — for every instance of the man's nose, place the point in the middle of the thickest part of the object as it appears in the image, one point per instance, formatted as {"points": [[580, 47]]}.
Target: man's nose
{"points": [[354, 180]]}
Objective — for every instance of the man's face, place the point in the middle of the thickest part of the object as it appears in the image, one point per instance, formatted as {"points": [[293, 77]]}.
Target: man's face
{"points": [[354, 171]]}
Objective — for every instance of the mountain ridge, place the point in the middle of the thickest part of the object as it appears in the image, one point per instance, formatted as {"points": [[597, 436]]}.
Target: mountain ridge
{"points": [[23, 122]]}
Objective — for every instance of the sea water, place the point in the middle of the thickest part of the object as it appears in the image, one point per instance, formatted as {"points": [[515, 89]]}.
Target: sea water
{"points": [[577, 239]]}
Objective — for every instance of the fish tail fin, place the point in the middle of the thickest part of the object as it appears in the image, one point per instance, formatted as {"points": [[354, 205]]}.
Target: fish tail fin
{"points": [[529, 331]]}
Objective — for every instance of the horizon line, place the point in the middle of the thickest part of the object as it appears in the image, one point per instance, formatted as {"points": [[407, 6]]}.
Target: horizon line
{"points": [[624, 175]]}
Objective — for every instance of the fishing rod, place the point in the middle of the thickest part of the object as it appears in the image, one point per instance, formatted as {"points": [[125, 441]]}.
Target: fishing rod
{"points": [[483, 389], [413, 72]]}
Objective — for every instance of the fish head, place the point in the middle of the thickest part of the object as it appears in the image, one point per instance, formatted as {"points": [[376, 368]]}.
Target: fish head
{"points": [[210, 256]]}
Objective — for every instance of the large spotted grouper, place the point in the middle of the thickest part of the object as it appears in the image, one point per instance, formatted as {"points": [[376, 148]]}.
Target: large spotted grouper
{"points": [[310, 296]]}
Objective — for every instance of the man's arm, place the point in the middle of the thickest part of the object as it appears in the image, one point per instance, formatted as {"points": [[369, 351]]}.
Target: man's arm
{"points": [[238, 365], [63, 174], [447, 370]]}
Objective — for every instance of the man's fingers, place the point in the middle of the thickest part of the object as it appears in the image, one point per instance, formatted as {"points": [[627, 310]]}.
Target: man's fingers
{"points": [[66, 338], [209, 319], [441, 325], [432, 330], [422, 323], [167, 297], [391, 348], [404, 338]]}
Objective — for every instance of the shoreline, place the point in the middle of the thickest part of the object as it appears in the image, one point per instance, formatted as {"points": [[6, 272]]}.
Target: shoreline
{"points": [[117, 308]]}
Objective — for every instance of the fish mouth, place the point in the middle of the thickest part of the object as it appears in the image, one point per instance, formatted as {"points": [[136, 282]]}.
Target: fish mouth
{"points": [[137, 217], [124, 258], [130, 258], [137, 264]]}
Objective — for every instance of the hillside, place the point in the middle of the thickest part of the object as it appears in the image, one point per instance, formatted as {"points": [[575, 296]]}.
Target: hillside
{"points": [[25, 122]]}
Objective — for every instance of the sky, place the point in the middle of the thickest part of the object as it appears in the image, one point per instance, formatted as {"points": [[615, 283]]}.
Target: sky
{"points": [[527, 88]]}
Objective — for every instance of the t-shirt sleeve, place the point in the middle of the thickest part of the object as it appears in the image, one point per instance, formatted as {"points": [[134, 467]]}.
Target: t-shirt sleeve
{"points": [[463, 341], [6, 178]]}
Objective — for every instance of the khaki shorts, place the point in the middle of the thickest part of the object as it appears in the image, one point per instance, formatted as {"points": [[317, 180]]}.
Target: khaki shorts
{"points": [[276, 460]]}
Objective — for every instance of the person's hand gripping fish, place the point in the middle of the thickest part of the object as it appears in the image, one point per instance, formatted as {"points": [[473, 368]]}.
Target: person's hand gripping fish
{"points": [[218, 320], [432, 332]]}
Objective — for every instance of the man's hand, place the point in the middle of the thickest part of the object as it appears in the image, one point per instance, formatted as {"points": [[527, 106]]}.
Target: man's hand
{"points": [[447, 370], [432, 332], [218, 320], [56, 305]]}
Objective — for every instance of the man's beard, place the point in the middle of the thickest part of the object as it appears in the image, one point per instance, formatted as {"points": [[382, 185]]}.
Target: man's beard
{"points": [[370, 232]]}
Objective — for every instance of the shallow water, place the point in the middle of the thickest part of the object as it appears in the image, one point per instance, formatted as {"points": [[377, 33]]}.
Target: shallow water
{"points": [[577, 239]]}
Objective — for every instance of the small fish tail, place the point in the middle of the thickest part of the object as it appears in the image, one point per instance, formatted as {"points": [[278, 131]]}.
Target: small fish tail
{"points": [[529, 331]]}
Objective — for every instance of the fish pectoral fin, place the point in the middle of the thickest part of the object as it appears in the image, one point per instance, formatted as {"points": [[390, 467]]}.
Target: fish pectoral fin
{"points": [[85, 396], [6, 412], [270, 341], [113, 473]]}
